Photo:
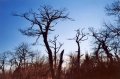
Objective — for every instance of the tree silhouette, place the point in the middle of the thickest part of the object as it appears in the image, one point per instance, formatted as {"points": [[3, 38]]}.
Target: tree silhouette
{"points": [[45, 20], [79, 37], [102, 63], [56, 48], [3, 60], [102, 38], [22, 54], [114, 10]]}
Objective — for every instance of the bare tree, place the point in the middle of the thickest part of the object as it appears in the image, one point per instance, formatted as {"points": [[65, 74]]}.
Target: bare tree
{"points": [[114, 10], [56, 48], [79, 37], [108, 39], [13, 61], [44, 19], [102, 38], [3, 60], [22, 53]]}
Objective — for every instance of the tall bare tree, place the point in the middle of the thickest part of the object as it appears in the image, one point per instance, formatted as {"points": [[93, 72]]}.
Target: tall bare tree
{"points": [[102, 38], [79, 37], [44, 20]]}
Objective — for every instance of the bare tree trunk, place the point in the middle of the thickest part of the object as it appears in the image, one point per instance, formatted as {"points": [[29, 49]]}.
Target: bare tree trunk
{"points": [[97, 52], [46, 21], [107, 52], [58, 76], [50, 56], [117, 57], [55, 58], [78, 56]]}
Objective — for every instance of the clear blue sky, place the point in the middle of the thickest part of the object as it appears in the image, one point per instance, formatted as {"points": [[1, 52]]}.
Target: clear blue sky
{"points": [[86, 13]]}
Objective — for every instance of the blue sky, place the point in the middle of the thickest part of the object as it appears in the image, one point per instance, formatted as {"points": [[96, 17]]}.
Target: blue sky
{"points": [[86, 13]]}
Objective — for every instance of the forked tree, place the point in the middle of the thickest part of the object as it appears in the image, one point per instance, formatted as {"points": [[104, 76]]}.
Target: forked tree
{"points": [[79, 37], [43, 22], [56, 46], [102, 39]]}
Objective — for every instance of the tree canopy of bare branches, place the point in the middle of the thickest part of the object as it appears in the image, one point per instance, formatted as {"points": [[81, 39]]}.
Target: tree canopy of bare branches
{"points": [[44, 20]]}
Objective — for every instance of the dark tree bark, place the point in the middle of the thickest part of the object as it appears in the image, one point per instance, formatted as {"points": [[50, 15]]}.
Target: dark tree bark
{"points": [[102, 38], [97, 52], [58, 76], [80, 36], [44, 19]]}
